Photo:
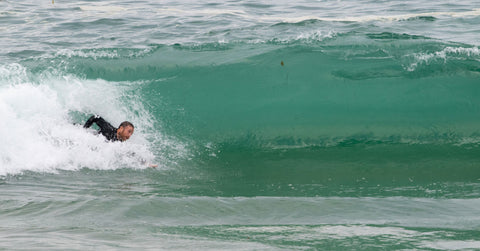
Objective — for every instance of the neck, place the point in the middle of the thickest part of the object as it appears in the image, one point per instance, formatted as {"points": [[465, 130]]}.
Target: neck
{"points": [[118, 135]]}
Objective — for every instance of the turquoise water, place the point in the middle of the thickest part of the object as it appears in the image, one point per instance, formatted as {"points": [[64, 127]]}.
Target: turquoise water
{"points": [[313, 125]]}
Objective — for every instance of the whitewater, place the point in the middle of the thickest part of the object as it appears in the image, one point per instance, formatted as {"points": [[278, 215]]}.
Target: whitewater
{"points": [[307, 125]]}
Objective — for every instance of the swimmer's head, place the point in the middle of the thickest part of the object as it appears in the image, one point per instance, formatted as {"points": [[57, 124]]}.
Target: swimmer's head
{"points": [[125, 130]]}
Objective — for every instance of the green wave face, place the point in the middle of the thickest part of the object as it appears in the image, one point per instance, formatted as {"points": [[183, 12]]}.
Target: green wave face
{"points": [[383, 87], [354, 101]]}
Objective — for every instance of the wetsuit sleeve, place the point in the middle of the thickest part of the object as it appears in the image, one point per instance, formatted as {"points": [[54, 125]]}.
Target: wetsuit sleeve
{"points": [[91, 120], [103, 124], [106, 129], [97, 120]]}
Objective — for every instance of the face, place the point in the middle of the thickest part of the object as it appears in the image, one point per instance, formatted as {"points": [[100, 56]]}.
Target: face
{"points": [[124, 132]]}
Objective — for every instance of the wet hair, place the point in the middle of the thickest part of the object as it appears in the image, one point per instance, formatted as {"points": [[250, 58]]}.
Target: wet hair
{"points": [[125, 124]]}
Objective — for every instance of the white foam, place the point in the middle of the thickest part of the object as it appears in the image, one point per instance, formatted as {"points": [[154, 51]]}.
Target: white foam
{"points": [[87, 54], [38, 133], [426, 58], [452, 245], [329, 231], [370, 18], [317, 35], [103, 8], [355, 231], [98, 53], [365, 18], [304, 37], [204, 12]]}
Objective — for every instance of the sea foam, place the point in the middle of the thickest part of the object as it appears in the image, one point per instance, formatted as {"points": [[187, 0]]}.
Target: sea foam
{"points": [[42, 117]]}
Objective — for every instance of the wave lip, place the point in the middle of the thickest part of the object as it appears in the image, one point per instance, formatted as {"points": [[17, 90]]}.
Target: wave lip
{"points": [[445, 55]]}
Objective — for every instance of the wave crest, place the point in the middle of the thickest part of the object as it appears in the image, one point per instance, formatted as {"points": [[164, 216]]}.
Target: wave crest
{"points": [[43, 114]]}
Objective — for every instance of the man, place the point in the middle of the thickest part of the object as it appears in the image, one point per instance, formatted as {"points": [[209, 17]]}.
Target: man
{"points": [[122, 133]]}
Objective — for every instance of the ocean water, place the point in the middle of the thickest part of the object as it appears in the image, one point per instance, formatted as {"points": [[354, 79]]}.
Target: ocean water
{"points": [[276, 125]]}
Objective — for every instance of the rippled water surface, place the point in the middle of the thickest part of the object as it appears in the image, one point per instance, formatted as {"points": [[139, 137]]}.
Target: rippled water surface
{"points": [[307, 125]]}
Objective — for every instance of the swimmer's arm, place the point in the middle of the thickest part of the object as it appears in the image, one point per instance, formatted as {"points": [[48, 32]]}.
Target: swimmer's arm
{"points": [[91, 120], [102, 123]]}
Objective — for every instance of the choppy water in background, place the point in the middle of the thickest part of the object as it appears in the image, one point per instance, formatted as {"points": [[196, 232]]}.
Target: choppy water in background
{"points": [[329, 125]]}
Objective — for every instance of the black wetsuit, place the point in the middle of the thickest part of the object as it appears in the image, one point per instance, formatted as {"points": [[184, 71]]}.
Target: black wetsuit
{"points": [[106, 129]]}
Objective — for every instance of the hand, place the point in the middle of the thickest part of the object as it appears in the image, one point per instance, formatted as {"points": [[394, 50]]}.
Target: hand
{"points": [[153, 165]]}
